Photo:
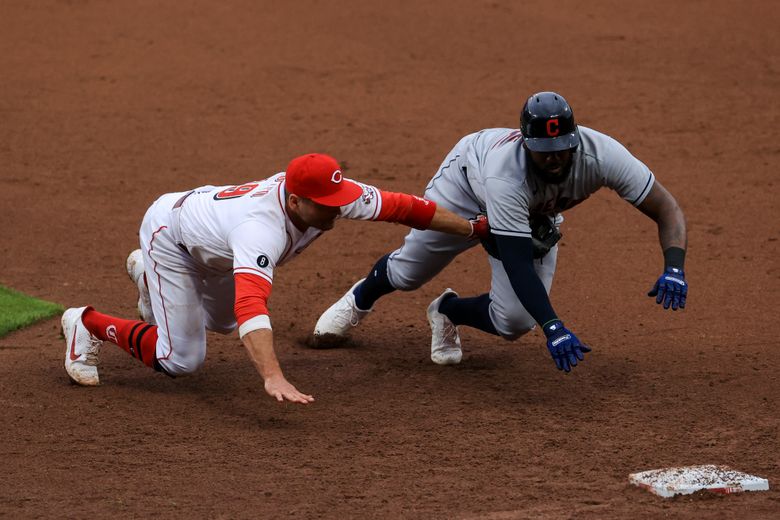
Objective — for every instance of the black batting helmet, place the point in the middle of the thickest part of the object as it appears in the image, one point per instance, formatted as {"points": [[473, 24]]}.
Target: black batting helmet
{"points": [[547, 123]]}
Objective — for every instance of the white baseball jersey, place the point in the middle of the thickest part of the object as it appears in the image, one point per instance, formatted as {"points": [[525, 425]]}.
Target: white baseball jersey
{"points": [[245, 229], [217, 246]]}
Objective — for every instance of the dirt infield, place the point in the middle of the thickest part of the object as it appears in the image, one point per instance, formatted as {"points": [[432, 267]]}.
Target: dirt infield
{"points": [[105, 105]]}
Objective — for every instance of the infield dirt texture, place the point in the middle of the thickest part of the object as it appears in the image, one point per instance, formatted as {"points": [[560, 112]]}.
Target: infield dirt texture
{"points": [[106, 105]]}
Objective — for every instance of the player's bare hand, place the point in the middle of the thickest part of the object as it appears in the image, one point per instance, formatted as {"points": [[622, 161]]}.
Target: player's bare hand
{"points": [[281, 389]]}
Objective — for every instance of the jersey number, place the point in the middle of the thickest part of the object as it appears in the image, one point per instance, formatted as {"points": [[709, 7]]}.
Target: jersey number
{"points": [[235, 191]]}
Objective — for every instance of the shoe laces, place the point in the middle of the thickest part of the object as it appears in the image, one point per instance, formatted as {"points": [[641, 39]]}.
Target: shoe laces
{"points": [[354, 313], [93, 351], [354, 316], [449, 332]]}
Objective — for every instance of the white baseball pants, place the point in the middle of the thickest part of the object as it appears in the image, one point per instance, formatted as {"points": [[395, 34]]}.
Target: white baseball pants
{"points": [[185, 301]]}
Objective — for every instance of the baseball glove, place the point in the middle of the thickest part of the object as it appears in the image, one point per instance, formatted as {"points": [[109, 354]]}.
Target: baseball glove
{"points": [[544, 236]]}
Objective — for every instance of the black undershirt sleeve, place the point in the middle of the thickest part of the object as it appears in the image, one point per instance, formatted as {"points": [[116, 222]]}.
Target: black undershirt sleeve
{"points": [[517, 255]]}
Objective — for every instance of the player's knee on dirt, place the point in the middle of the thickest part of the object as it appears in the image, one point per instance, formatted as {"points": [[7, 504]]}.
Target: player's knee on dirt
{"points": [[223, 330], [515, 335], [512, 323], [221, 327], [183, 364]]}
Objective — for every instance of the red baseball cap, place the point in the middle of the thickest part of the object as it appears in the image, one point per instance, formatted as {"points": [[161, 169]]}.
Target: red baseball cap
{"points": [[318, 177]]}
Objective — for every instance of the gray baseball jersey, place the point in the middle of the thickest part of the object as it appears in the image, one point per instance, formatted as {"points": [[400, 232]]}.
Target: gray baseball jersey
{"points": [[487, 170], [498, 176]]}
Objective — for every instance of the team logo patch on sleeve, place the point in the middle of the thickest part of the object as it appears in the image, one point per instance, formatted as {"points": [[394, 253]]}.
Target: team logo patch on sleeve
{"points": [[368, 195], [262, 261]]}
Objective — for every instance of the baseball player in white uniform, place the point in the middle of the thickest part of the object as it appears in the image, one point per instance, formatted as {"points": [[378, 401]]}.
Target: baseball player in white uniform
{"points": [[207, 262], [522, 179]]}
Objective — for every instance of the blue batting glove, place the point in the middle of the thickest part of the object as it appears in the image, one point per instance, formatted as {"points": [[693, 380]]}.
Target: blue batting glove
{"points": [[671, 289], [563, 345]]}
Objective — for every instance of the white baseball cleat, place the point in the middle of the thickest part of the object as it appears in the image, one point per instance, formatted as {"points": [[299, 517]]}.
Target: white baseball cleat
{"points": [[445, 340], [135, 270], [81, 349], [340, 317]]}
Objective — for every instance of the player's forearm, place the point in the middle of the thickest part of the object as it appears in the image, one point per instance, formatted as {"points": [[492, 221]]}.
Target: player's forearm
{"points": [[662, 207], [531, 293], [446, 221], [260, 346], [517, 257], [672, 231]]}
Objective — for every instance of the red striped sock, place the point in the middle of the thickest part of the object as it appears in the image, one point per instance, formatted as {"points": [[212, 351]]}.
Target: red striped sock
{"points": [[137, 338]]}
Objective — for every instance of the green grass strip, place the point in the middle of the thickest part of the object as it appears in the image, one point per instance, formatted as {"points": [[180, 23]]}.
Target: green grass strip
{"points": [[18, 310]]}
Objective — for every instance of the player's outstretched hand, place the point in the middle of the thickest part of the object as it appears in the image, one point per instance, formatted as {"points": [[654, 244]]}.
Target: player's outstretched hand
{"points": [[671, 289], [279, 388], [480, 227], [565, 349]]}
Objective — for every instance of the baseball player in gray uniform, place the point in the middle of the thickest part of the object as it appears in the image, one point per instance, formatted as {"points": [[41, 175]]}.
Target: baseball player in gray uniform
{"points": [[522, 179]]}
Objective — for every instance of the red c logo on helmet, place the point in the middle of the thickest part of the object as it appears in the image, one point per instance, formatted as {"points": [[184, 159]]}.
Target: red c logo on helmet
{"points": [[336, 177], [552, 127]]}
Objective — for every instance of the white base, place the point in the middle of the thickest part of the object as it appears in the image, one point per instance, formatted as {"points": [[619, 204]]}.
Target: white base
{"points": [[669, 482]]}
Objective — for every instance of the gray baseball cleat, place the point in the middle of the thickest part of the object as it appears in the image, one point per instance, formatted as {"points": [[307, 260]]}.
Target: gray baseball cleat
{"points": [[81, 349], [445, 340], [336, 322], [135, 270]]}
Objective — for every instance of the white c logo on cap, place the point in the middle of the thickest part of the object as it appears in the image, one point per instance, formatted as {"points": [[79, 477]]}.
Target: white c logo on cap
{"points": [[336, 177]]}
